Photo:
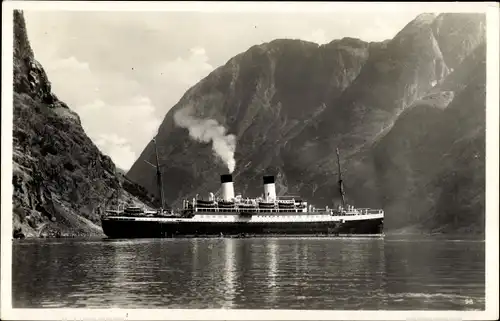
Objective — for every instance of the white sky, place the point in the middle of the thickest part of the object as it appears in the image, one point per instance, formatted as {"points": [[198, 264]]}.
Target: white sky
{"points": [[122, 71]]}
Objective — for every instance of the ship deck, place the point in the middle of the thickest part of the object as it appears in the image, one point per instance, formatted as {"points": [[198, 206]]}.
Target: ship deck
{"points": [[256, 218]]}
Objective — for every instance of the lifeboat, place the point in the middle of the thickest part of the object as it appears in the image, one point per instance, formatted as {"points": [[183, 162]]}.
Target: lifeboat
{"points": [[286, 205], [133, 210], [201, 203], [226, 204], [266, 205]]}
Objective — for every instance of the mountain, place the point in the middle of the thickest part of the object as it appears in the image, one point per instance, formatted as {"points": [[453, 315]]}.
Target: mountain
{"points": [[407, 115], [436, 174], [61, 181]]}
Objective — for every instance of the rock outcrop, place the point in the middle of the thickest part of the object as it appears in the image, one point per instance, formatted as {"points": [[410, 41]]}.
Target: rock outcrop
{"points": [[406, 114], [61, 181]]}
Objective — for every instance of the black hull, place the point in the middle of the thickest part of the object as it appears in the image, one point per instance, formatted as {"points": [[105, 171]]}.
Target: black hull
{"points": [[154, 229]]}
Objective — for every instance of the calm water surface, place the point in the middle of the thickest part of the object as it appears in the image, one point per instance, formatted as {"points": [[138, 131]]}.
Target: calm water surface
{"points": [[280, 273]]}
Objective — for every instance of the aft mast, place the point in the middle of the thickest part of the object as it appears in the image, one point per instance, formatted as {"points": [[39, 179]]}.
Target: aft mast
{"points": [[341, 185]]}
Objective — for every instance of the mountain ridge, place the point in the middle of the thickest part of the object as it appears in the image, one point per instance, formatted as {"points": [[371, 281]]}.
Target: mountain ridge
{"points": [[290, 103]]}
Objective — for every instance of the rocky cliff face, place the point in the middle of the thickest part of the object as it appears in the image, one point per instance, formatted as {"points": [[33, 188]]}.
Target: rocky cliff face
{"points": [[61, 181], [432, 162], [407, 115]]}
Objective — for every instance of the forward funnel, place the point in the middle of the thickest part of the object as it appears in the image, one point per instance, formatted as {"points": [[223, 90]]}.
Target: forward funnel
{"points": [[227, 187]]}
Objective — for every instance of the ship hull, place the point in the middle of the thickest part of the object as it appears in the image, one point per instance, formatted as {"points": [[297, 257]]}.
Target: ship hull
{"points": [[130, 228]]}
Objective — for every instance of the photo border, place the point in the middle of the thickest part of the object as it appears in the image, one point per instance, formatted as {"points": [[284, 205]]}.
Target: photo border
{"points": [[492, 147]]}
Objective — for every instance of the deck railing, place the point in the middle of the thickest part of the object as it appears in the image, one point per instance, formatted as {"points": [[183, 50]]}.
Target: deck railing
{"points": [[216, 209]]}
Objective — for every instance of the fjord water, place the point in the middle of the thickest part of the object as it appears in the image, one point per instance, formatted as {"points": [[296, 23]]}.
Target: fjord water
{"points": [[391, 273]]}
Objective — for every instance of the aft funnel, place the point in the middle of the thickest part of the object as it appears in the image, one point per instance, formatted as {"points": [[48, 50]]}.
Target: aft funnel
{"points": [[269, 188]]}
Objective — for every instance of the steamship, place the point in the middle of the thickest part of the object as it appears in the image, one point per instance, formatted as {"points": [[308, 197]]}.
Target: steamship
{"points": [[232, 215]]}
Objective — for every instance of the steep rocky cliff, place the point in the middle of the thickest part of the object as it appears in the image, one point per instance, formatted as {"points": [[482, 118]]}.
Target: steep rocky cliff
{"points": [[406, 113], [61, 181]]}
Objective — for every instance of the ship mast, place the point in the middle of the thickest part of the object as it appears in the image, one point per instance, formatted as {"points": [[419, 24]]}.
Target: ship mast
{"points": [[159, 178], [341, 186], [159, 182]]}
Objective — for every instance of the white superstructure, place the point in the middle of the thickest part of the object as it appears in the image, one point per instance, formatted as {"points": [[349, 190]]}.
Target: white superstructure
{"points": [[268, 208]]}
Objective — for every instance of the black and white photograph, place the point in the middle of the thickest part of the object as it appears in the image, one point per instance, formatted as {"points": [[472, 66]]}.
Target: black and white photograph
{"points": [[249, 160]]}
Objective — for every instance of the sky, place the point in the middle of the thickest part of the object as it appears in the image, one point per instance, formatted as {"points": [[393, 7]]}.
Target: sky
{"points": [[122, 71]]}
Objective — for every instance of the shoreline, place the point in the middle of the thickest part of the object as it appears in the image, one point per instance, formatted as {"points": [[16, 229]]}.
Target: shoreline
{"points": [[385, 236]]}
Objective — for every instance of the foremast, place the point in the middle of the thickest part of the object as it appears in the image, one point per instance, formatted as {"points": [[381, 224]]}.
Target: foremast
{"points": [[341, 185], [159, 182]]}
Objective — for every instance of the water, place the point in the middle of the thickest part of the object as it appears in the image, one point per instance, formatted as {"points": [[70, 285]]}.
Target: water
{"points": [[281, 273]]}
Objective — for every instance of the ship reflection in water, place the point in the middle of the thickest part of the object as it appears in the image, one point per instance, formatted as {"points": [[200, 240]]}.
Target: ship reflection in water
{"points": [[272, 269], [229, 274], [280, 273]]}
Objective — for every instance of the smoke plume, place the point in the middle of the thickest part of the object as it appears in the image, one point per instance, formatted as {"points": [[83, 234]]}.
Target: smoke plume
{"points": [[206, 131]]}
